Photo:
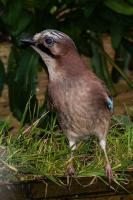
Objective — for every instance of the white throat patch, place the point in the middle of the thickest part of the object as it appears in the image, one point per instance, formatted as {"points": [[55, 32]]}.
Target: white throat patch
{"points": [[50, 63]]}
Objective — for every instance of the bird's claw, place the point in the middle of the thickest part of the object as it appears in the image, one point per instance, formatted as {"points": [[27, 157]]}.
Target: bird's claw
{"points": [[108, 172], [70, 171]]}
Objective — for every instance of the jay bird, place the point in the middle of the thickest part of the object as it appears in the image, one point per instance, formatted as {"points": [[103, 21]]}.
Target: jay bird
{"points": [[81, 100]]}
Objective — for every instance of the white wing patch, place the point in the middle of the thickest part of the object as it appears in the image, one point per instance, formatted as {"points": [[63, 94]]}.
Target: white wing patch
{"points": [[110, 103]]}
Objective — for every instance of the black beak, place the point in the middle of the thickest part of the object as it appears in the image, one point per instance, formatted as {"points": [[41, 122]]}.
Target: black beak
{"points": [[30, 41], [27, 41]]}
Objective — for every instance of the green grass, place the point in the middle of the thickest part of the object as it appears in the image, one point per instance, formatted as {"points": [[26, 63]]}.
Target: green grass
{"points": [[27, 155]]}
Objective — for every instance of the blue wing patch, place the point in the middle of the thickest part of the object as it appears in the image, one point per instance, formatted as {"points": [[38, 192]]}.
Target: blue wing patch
{"points": [[110, 103]]}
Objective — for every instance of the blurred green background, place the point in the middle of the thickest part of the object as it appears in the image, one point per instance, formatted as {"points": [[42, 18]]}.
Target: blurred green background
{"points": [[85, 21]]}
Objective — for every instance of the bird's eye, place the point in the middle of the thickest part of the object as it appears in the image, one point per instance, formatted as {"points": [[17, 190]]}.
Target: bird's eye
{"points": [[49, 41]]}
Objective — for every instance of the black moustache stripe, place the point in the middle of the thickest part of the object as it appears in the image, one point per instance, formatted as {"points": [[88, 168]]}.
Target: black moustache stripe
{"points": [[45, 50]]}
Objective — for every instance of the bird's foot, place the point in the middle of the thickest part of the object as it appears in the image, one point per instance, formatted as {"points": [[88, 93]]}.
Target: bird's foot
{"points": [[70, 170], [108, 172]]}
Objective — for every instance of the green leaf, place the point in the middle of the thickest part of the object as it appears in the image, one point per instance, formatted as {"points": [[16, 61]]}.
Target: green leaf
{"points": [[120, 60], [22, 72], [110, 16], [18, 20], [4, 1], [99, 63], [2, 76], [117, 33], [130, 2], [88, 10], [39, 4], [10, 17], [108, 58], [119, 6]]}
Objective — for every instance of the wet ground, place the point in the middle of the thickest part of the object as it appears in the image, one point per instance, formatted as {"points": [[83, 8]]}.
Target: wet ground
{"points": [[123, 102]]}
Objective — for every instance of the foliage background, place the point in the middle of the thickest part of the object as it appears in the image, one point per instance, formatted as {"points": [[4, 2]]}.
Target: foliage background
{"points": [[85, 21]]}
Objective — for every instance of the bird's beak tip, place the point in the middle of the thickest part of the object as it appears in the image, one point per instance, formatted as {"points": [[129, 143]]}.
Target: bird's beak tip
{"points": [[27, 41]]}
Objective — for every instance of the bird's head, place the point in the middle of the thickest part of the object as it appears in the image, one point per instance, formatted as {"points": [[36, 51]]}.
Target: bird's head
{"points": [[51, 42], [56, 49]]}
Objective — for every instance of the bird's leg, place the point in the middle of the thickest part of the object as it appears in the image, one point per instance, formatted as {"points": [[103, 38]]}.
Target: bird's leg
{"points": [[70, 167], [108, 170]]}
